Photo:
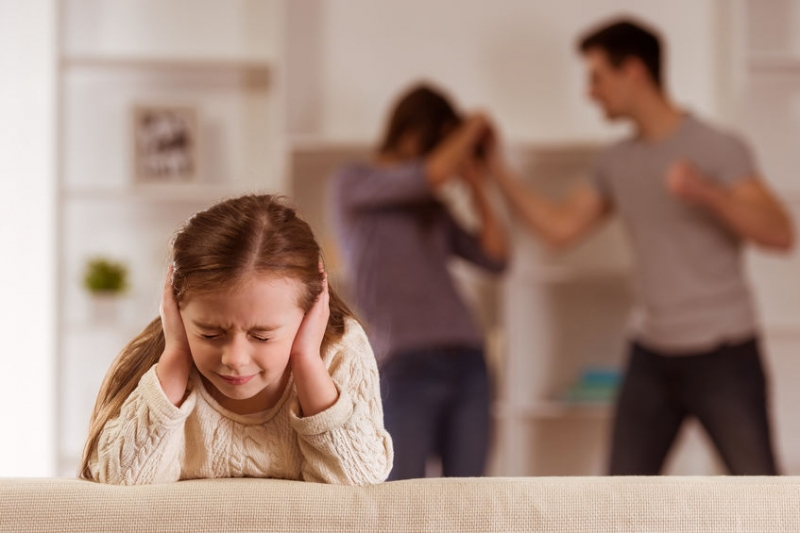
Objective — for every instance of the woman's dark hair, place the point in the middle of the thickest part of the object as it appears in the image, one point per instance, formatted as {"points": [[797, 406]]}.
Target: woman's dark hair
{"points": [[623, 39], [422, 110]]}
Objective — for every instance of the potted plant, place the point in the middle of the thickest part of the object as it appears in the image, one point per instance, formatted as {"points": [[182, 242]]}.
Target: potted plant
{"points": [[105, 280]]}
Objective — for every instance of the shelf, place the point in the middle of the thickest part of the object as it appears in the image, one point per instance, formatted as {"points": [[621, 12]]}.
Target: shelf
{"points": [[788, 195], [165, 193], [319, 143], [261, 65], [315, 143], [554, 410], [774, 61], [782, 331], [555, 145], [564, 275], [126, 328]]}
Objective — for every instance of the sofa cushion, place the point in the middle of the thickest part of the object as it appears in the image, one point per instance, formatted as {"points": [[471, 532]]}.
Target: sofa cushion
{"points": [[697, 504]]}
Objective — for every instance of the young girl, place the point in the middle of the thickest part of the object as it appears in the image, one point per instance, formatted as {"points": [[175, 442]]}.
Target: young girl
{"points": [[255, 368]]}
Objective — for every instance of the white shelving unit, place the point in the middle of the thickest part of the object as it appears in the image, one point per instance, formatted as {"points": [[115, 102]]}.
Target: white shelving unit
{"points": [[221, 58], [110, 61], [767, 111]]}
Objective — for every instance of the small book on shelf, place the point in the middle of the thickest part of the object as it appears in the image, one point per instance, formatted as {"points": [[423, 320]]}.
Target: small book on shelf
{"points": [[595, 385]]}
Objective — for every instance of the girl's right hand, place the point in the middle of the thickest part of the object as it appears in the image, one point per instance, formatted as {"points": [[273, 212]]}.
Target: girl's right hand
{"points": [[176, 361]]}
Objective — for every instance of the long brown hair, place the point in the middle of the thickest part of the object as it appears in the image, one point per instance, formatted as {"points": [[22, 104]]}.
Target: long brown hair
{"points": [[216, 249], [425, 111]]}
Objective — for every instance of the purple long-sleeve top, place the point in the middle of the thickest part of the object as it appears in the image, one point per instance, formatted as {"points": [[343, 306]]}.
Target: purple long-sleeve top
{"points": [[396, 240]]}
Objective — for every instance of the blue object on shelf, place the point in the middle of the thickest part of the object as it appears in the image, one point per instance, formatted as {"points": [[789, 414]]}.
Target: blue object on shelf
{"points": [[601, 376], [596, 385]]}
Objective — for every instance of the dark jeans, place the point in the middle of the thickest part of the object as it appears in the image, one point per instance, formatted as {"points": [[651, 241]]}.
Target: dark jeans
{"points": [[436, 403], [724, 389]]}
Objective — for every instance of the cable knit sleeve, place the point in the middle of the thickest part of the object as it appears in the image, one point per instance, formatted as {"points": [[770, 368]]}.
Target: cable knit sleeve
{"points": [[347, 444], [145, 443]]}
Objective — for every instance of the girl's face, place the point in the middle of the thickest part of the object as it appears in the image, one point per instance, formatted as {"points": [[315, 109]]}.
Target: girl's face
{"points": [[241, 340]]}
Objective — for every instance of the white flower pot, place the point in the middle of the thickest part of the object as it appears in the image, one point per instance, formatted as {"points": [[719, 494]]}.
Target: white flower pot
{"points": [[105, 308]]}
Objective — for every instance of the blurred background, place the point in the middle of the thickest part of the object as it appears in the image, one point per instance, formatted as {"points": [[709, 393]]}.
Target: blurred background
{"points": [[118, 119]]}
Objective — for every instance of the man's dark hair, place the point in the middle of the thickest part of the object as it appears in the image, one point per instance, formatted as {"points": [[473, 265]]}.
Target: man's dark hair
{"points": [[624, 39]]}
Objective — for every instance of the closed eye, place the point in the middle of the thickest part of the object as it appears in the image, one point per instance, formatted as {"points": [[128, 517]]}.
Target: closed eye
{"points": [[210, 336], [259, 338]]}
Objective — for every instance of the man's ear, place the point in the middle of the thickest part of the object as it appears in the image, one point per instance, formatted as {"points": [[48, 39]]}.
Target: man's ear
{"points": [[635, 69]]}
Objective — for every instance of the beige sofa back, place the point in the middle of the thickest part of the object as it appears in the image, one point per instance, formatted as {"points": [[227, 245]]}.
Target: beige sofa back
{"points": [[722, 504]]}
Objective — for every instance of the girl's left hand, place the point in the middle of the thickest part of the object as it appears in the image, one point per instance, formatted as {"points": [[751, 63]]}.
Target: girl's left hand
{"points": [[308, 341], [316, 390]]}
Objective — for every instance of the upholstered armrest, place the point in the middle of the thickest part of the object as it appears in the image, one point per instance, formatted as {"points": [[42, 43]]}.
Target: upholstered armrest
{"points": [[696, 504]]}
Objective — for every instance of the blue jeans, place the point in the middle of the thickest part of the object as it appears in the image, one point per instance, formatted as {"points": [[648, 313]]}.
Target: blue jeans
{"points": [[436, 403], [726, 391]]}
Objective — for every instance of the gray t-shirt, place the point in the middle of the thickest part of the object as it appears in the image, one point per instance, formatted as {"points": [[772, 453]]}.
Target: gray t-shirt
{"points": [[396, 239], [692, 293]]}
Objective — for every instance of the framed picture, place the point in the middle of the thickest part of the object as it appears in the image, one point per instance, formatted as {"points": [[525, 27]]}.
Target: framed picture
{"points": [[165, 143]]}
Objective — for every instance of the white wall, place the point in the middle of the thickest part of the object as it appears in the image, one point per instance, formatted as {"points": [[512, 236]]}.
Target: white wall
{"points": [[27, 67], [517, 58]]}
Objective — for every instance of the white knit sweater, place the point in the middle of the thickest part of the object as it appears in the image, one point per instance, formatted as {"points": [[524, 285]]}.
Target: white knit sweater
{"points": [[152, 441]]}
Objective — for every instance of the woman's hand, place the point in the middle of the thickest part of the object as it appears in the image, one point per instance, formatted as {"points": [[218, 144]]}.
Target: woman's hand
{"points": [[459, 146], [492, 234], [493, 152], [473, 173], [315, 388], [176, 361]]}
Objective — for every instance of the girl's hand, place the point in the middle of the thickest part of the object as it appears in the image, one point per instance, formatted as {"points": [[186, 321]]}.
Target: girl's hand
{"points": [[315, 388], [308, 341], [176, 361]]}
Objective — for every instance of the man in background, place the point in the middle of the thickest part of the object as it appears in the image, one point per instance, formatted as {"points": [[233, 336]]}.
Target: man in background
{"points": [[690, 196]]}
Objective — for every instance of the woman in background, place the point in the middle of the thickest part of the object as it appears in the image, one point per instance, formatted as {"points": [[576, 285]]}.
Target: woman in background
{"points": [[397, 239]]}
